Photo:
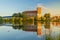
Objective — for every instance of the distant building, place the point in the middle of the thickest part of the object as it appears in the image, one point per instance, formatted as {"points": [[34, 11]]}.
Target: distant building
{"points": [[56, 17]]}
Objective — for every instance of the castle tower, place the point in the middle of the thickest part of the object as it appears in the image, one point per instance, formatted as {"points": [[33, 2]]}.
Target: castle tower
{"points": [[38, 12]]}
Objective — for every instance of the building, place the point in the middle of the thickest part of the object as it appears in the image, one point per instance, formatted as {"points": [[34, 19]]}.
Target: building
{"points": [[34, 13], [55, 18], [30, 13]]}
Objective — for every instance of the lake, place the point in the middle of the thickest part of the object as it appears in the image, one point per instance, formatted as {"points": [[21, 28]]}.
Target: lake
{"points": [[30, 31]]}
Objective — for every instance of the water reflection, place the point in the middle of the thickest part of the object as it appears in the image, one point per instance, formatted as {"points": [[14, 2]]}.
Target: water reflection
{"points": [[39, 28], [33, 28], [52, 31], [49, 31], [56, 23]]}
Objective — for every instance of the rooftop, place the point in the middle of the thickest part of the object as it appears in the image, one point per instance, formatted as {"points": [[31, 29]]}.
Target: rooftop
{"points": [[30, 12]]}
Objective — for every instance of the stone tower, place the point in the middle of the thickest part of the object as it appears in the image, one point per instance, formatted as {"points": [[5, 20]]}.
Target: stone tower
{"points": [[38, 12]]}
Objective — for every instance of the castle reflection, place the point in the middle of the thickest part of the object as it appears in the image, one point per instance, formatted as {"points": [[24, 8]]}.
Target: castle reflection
{"points": [[29, 27], [35, 27], [41, 29]]}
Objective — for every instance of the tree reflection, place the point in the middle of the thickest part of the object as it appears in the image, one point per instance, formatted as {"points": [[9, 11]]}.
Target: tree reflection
{"points": [[56, 23], [47, 31], [17, 26], [49, 37]]}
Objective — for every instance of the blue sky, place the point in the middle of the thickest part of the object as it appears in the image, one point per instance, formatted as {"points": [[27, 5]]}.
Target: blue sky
{"points": [[8, 7]]}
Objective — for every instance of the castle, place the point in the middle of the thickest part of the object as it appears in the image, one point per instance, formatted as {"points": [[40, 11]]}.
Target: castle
{"points": [[34, 13]]}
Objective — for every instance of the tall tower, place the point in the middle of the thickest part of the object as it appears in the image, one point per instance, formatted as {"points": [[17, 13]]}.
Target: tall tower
{"points": [[38, 12]]}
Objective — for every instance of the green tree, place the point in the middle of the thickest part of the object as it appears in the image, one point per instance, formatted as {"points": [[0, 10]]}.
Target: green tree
{"points": [[15, 15], [1, 20], [47, 16]]}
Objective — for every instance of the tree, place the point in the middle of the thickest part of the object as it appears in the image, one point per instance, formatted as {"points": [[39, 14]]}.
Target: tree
{"points": [[15, 15], [17, 27], [18, 15], [47, 16], [1, 20]]}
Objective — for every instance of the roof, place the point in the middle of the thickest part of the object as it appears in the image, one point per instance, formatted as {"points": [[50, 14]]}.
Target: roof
{"points": [[30, 12]]}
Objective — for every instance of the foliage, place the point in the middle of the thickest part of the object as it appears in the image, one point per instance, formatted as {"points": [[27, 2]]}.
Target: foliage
{"points": [[1, 20]]}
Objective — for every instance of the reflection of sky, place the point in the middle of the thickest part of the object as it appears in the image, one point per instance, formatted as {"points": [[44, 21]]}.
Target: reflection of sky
{"points": [[8, 7], [7, 33]]}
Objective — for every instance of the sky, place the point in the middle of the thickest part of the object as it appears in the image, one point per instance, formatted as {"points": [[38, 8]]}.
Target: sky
{"points": [[8, 7]]}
